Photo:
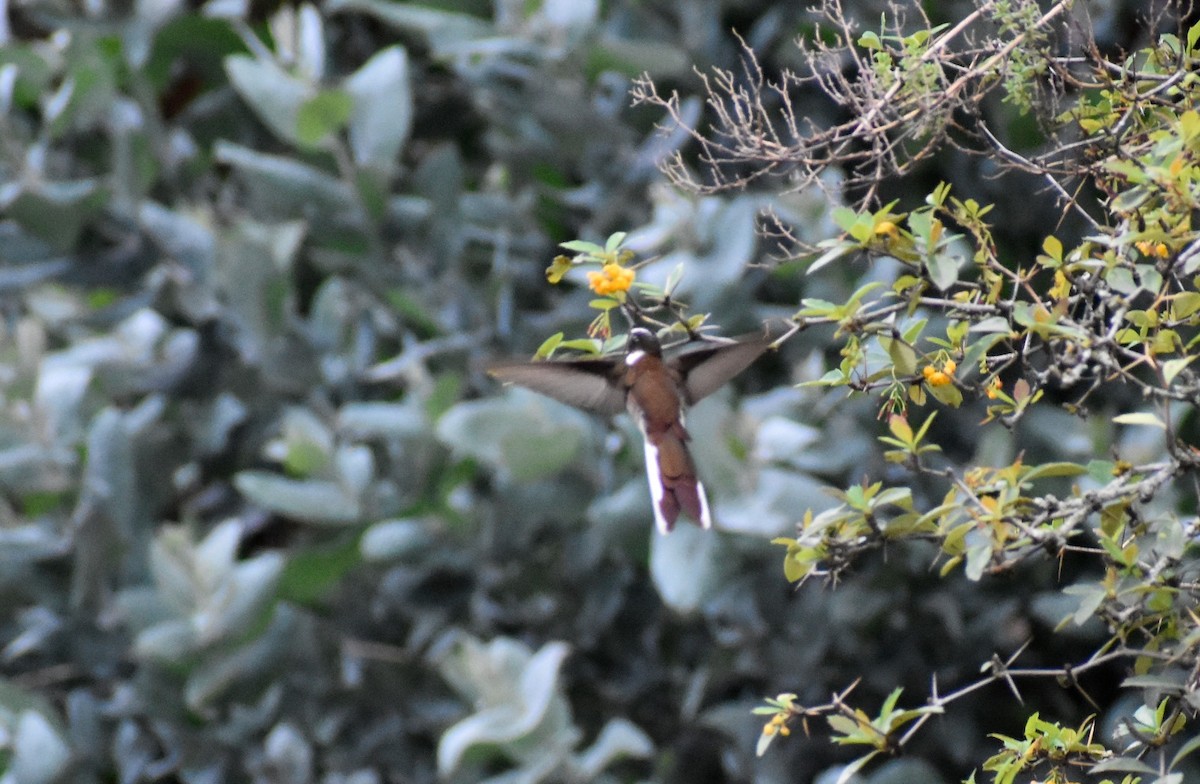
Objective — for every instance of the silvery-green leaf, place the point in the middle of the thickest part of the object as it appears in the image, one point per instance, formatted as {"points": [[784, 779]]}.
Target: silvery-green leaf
{"points": [[307, 444], [620, 738], [771, 505], [734, 241], [39, 754], [481, 672], [310, 501], [355, 467], [364, 420], [511, 710], [327, 317], [979, 556], [219, 671], [273, 94], [59, 390], [485, 727], [310, 43], [444, 31], [281, 187], [573, 16], [633, 56], [1140, 418], [227, 9], [289, 754], [169, 641], [31, 542], [36, 626], [943, 268], [56, 212], [782, 439], [219, 419], [539, 687], [391, 539], [522, 435], [382, 114], [109, 473], [142, 606], [251, 267], [625, 506], [686, 566], [181, 236], [213, 558], [172, 556]]}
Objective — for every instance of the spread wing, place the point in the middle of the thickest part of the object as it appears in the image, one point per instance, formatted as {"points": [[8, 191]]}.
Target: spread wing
{"points": [[583, 383], [707, 369]]}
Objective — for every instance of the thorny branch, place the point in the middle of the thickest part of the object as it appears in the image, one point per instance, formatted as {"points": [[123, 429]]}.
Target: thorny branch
{"points": [[900, 104]]}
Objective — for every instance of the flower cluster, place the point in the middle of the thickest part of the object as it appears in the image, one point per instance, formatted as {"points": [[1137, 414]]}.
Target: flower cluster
{"points": [[1154, 249], [777, 724], [610, 279], [940, 378]]}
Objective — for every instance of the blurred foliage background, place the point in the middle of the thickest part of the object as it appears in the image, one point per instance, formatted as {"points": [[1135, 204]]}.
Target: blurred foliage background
{"points": [[265, 519]]}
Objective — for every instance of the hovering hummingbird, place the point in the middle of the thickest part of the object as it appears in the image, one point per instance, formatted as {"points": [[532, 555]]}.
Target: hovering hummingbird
{"points": [[655, 390]]}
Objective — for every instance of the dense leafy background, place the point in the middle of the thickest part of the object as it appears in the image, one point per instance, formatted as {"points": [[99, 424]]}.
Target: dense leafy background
{"points": [[264, 518]]}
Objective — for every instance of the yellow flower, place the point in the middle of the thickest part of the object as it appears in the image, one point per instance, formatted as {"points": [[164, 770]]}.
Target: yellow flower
{"points": [[610, 279], [777, 724], [993, 388], [887, 228], [560, 267], [940, 378], [1148, 248]]}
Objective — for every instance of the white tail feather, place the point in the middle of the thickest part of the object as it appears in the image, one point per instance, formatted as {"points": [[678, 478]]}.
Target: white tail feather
{"points": [[656, 486], [705, 517]]}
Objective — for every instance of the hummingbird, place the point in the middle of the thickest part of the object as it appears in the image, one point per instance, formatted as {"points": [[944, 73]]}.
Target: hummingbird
{"points": [[655, 389]]}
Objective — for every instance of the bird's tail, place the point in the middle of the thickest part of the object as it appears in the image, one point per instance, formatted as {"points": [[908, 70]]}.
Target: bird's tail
{"points": [[673, 483]]}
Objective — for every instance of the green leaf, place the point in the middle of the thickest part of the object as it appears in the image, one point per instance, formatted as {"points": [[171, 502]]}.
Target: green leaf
{"points": [[1053, 247], [997, 324], [838, 249], [947, 394], [586, 345], [1192, 744], [1172, 367], [870, 40], [854, 767], [903, 357], [310, 574], [582, 246], [548, 346], [979, 556], [322, 116], [1056, 469], [943, 269], [1124, 765], [844, 217], [1140, 418]]}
